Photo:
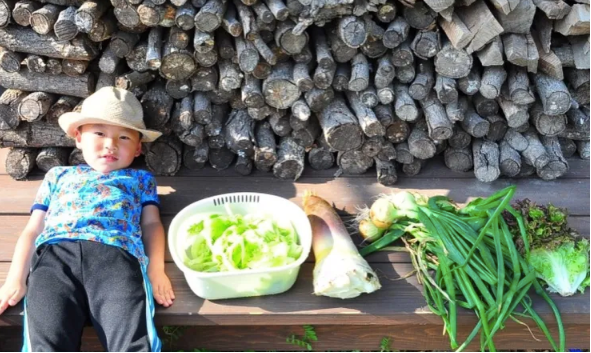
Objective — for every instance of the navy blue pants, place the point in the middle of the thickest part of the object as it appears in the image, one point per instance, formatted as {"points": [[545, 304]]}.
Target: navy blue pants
{"points": [[73, 283]]}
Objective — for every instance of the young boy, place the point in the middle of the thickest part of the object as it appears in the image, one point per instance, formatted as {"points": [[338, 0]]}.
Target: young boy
{"points": [[93, 249]]}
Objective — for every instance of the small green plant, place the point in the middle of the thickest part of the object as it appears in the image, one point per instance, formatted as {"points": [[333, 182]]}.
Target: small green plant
{"points": [[385, 345], [305, 341]]}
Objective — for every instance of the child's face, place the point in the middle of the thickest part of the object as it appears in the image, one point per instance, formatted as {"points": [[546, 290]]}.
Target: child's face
{"points": [[108, 147]]}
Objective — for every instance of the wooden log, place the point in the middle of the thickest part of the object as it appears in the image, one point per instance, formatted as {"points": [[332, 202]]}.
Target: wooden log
{"points": [[386, 172], [287, 40], [403, 154], [157, 106], [265, 154], [386, 95], [413, 168], [251, 92], [39, 134], [385, 114], [420, 16], [554, 10], [493, 78], [341, 128], [451, 62], [129, 18], [50, 157], [34, 106], [23, 9], [516, 115], [154, 49], [65, 27], [518, 84], [221, 158], [372, 146], [359, 73], [80, 86], [305, 56], [426, 44], [567, 146], [10, 61], [76, 157], [580, 47], [352, 31], [353, 162], [557, 165], [164, 156], [136, 59], [457, 31], [176, 64], [498, 127], [243, 165], [185, 17], [492, 53], [122, 43], [152, 14], [470, 84], [9, 103], [225, 45], [485, 107], [518, 19], [387, 151], [210, 16], [43, 19], [306, 136], [402, 55], [543, 27], [578, 119], [396, 33], [535, 154], [578, 83], [367, 119], [261, 113], [264, 50], [523, 128], [290, 160], [109, 62], [516, 140], [420, 145], [369, 97], [230, 75], [301, 77], [480, 21], [398, 131], [458, 159], [104, 28], [423, 82], [342, 77], [280, 124], [385, 72], [553, 93], [510, 160], [54, 66], [439, 126], [89, 13], [279, 88], [457, 109], [134, 79], [575, 23], [184, 125], [218, 118], [74, 68], [195, 158], [263, 13], [6, 7], [207, 59], [63, 105], [278, 8], [583, 149], [247, 55], [474, 124], [27, 41], [548, 125], [486, 160], [374, 46], [178, 89], [445, 88], [404, 106], [321, 156], [20, 162], [230, 21], [300, 111], [460, 139], [236, 101]]}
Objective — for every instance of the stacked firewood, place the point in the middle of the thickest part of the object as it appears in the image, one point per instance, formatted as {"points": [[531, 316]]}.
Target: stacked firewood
{"points": [[500, 87]]}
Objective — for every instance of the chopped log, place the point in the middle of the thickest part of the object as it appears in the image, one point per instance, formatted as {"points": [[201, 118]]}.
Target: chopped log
{"points": [[486, 160], [480, 21], [300, 111], [185, 17], [352, 31], [405, 107], [134, 79], [136, 59], [451, 62], [423, 82], [9, 103], [420, 145], [456, 110], [104, 28], [157, 106], [420, 16], [176, 64], [342, 77], [54, 66], [209, 17], [549, 63], [305, 56], [230, 75], [492, 53], [518, 83], [10, 61], [439, 126], [89, 13], [251, 92], [164, 156], [306, 136], [575, 23], [243, 164], [74, 68], [263, 13], [369, 97], [194, 158], [265, 154], [522, 128], [374, 46], [498, 127], [264, 50], [474, 124], [321, 157], [129, 18], [353, 162], [76, 157], [445, 88], [341, 128], [426, 44], [39, 134], [402, 55], [80, 86], [405, 74], [583, 149], [557, 165], [109, 62], [207, 59], [261, 113], [359, 73], [386, 95], [493, 78], [236, 101], [280, 124], [398, 131], [580, 47], [50, 157], [385, 114], [65, 26], [386, 12], [203, 42], [179, 38], [510, 160], [23, 9], [515, 114], [290, 160], [43, 19], [516, 140], [20, 162], [403, 154], [578, 82], [578, 120], [178, 89], [460, 139], [519, 19], [567, 146], [527, 170], [385, 72], [239, 132], [554, 10], [386, 172], [367, 119], [279, 88], [457, 31], [301, 77], [396, 33], [553, 93], [230, 21], [372, 146], [34, 106], [278, 8], [535, 154], [548, 125], [154, 49], [27, 41], [152, 14], [63, 105], [221, 158], [287, 40], [458, 159], [485, 107], [219, 114], [225, 45], [543, 27], [413, 168], [470, 84]]}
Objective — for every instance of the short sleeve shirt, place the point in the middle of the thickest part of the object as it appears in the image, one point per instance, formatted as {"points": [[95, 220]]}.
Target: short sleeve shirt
{"points": [[83, 204]]}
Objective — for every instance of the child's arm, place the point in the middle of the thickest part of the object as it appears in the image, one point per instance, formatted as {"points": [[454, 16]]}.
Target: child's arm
{"points": [[15, 286], [154, 242]]}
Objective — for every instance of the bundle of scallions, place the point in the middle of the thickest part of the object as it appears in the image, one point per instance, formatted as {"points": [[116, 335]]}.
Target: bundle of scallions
{"points": [[464, 257]]}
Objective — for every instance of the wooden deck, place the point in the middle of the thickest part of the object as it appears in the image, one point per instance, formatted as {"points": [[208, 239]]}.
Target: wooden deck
{"points": [[397, 310]]}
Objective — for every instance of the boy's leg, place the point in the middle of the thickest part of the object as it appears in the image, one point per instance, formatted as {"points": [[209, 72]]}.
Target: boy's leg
{"points": [[117, 299], [55, 304]]}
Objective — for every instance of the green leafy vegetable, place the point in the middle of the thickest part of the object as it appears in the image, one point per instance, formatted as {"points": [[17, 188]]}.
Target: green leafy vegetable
{"points": [[220, 243]]}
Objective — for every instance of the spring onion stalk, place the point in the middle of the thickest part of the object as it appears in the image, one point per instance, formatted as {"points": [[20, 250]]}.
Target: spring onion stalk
{"points": [[340, 271]]}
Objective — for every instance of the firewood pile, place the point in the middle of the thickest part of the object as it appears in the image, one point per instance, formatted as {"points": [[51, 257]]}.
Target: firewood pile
{"points": [[500, 87]]}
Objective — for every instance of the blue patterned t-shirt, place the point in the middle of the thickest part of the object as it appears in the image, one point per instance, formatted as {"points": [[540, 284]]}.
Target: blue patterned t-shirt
{"points": [[83, 204]]}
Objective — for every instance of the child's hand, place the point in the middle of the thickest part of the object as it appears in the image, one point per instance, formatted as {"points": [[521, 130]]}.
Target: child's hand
{"points": [[11, 293], [161, 287]]}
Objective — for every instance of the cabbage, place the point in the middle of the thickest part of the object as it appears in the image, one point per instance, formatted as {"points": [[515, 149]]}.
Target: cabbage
{"points": [[220, 243]]}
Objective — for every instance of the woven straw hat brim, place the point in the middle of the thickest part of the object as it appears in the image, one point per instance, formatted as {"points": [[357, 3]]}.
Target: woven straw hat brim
{"points": [[69, 122]]}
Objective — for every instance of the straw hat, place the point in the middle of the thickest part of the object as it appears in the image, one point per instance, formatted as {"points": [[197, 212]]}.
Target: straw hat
{"points": [[110, 106]]}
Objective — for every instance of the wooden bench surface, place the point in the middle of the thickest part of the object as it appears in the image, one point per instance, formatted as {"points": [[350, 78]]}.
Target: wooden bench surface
{"points": [[397, 308]]}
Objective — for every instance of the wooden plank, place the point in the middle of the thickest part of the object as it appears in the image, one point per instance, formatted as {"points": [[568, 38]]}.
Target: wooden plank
{"points": [[398, 302], [11, 226], [347, 193]]}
